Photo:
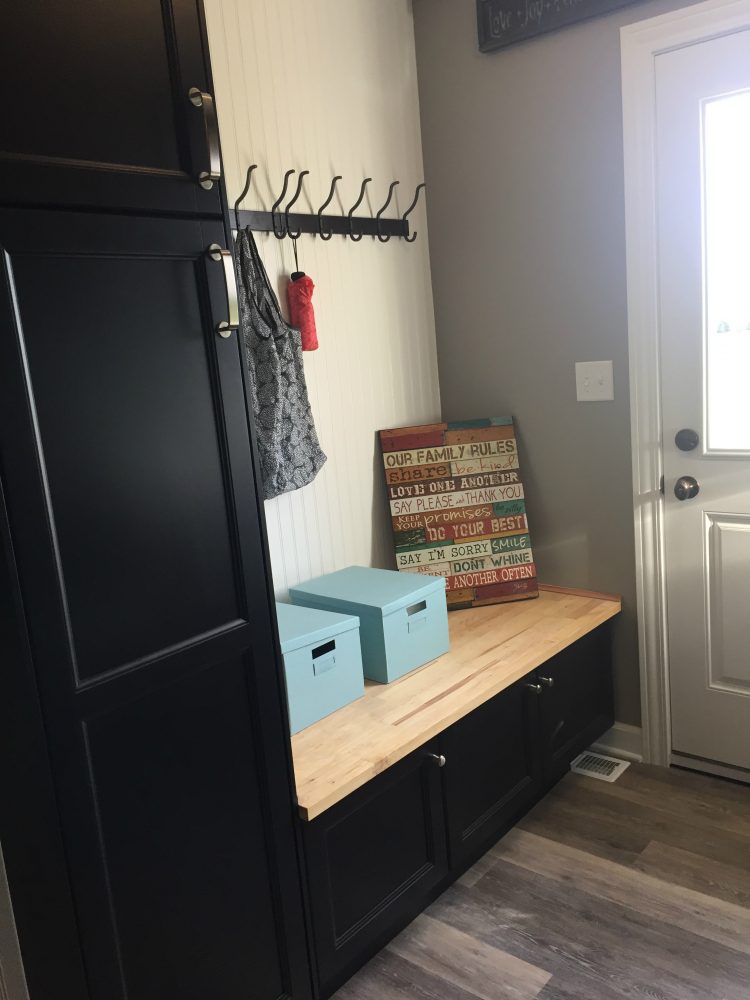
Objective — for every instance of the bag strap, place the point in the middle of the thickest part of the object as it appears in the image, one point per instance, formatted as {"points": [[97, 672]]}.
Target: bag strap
{"points": [[263, 294]]}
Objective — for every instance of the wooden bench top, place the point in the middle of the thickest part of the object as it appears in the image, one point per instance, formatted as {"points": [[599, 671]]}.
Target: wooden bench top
{"points": [[491, 648]]}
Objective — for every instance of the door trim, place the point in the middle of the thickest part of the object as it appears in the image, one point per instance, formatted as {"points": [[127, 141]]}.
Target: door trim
{"points": [[640, 43]]}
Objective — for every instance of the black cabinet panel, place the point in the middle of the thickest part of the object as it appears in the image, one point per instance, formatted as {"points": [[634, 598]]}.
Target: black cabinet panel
{"points": [[579, 706], [29, 825], [372, 861], [134, 523], [118, 364], [182, 841], [75, 45], [96, 105], [492, 771]]}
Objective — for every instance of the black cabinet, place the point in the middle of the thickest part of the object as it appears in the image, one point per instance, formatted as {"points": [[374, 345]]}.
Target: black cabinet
{"points": [[136, 603], [96, 111], [378, 857], [148, 819], [373, 861], [502, 755], [492, 771], [576, 702]]}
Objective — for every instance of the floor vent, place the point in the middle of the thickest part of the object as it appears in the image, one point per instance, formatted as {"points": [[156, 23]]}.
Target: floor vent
{"points": [[596, 765]]}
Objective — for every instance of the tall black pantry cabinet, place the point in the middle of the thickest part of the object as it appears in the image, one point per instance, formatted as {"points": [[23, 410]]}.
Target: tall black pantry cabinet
{"points": [[146, 813]]}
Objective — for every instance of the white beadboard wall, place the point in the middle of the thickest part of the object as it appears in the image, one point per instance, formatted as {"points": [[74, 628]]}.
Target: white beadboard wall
{"points": [[330, 86]]}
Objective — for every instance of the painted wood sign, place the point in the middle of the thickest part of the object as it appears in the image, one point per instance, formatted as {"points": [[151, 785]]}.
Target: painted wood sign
{"points": [[503, 22], [458, 509]]}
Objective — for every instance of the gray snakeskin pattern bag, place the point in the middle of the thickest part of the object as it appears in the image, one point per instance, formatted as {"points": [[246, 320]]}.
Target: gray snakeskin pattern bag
{"points": [[290, 454]]}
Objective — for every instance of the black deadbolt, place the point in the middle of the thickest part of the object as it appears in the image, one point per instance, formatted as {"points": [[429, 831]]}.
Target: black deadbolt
{"points": [[686, 439]]}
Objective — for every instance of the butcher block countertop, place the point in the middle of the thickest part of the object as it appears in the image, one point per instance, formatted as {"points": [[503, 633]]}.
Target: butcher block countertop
{"points": [[491, 648]]}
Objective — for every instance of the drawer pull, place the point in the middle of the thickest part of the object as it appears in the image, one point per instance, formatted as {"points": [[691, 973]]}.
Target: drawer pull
{"points": [[438, 758], [536, 688], [547, 681]]}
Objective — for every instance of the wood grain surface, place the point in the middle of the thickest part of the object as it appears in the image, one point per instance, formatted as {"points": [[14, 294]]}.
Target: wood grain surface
{"points": [[491, 647], [637, 890]]}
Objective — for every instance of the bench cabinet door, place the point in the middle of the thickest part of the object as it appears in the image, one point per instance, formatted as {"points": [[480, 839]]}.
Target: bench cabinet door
{"points": [[576, 703], [373, 862], [492, 770]]}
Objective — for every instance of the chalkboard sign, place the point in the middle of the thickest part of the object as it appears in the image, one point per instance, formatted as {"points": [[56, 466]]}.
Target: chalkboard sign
{"points": [[504, 22]]}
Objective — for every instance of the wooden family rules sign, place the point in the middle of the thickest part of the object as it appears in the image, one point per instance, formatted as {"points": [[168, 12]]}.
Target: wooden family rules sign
{"points": [[503, 22], [458, 511]]}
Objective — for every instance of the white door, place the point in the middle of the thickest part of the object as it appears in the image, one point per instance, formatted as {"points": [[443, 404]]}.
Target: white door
{"points": [[703, 212]]}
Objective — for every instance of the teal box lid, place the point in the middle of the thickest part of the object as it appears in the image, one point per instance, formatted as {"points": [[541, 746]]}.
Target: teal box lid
{"points": [[299, 626], [385, 590]]}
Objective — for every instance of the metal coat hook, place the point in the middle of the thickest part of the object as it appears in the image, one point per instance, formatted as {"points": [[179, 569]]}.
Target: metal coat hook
{"points": [[326, 203], [300, 179], [357, 237], [410, 209], [282, 234], [246, 188], [384, 239], [294, 236]]}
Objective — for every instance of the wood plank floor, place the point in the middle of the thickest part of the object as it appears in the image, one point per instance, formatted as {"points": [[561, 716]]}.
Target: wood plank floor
{"points": [[637, 889]]}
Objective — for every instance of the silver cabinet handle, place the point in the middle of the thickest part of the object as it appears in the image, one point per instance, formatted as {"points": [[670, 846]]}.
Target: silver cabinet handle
{"points": [[220, 255], [536, 688], [200, 99], [547, 681], [438, 758]]}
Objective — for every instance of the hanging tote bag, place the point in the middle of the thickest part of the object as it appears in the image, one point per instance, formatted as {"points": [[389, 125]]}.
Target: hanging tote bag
{"points": [[290, 454]]}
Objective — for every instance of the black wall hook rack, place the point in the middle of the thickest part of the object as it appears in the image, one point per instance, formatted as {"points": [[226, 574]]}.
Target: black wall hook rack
{"points": [[282, 222]]}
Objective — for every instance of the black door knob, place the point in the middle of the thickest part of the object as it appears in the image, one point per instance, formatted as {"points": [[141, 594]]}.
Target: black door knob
{"points": [[686, 488], [686, 439]]}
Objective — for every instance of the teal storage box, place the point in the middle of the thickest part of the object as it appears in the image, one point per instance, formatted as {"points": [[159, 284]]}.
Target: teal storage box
{"points": [[322, 662], [403, 616]]}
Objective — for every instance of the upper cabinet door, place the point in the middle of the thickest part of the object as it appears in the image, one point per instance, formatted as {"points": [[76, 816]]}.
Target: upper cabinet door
{"points": [[98, 110]]}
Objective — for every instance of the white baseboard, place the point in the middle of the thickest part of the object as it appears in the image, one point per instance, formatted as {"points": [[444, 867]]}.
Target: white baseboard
{"points": [[622, 740]]}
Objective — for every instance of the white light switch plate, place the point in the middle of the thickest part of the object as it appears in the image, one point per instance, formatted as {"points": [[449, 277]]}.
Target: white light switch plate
{"points": [[594, 381]]}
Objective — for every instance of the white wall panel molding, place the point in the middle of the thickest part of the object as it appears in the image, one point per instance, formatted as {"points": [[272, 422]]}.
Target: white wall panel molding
{"points": [[331, 87]]}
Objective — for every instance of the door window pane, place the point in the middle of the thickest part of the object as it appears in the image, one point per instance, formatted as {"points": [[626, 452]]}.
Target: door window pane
{"points": [[726, 220]]}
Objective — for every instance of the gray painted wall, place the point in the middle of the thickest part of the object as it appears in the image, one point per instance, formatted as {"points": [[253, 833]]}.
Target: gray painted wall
{"points": [[524, 167]]}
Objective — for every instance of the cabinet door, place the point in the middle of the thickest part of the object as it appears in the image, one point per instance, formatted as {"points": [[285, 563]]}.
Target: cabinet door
{"points": [[95, 105], [578, 706], [372, 862], [492, 771], [135, 529]]}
